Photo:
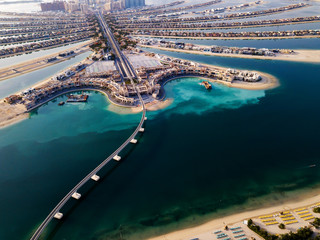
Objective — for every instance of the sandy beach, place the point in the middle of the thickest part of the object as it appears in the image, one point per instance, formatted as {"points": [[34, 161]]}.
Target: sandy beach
{"points": [[154, 106], [11, 114], [238, 218], [312, 56], [228, 38]]}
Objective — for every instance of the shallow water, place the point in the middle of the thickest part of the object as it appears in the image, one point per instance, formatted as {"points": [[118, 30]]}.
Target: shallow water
{"points": [[209, 151]]}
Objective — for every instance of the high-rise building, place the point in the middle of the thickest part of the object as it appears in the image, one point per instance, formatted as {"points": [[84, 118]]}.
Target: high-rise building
{"points": [[53, 6], [112, 5], [84, 8]]}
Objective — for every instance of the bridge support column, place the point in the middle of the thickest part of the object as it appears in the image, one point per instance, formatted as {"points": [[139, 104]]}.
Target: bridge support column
{"points": [[76, 195], [117, 158], [58, 215], [141, 130], [95, 177], [134, 141]]}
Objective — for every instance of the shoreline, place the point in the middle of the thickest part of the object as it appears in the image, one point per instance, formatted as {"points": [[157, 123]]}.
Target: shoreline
{"points": [[306, 198], [45, 48], [226, 38], [11, 114], [309, 56], [38, 63], [252, 16], [227, 27]]}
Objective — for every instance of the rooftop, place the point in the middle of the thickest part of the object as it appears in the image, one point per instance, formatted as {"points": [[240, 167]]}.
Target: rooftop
{"points": [[101, 66], [143, 61]]}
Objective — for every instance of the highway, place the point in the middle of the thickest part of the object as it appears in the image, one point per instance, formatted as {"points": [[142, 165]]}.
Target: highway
{"points": [[130, 73]]}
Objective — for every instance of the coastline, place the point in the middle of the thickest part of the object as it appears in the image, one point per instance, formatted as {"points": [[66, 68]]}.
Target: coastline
{"points": [[229, 27], [38, 63], [14, 114], [309, 56], [11, 114], [301, 199], [226, 38]]}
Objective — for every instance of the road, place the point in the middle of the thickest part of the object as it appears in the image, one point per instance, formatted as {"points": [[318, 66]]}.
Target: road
{"points": [[130, 73]]}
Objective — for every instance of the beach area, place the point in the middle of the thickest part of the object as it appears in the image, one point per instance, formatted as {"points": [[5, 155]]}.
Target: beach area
{"points": [[11, 114], [300, 55], [15, 113], [301, 200]]}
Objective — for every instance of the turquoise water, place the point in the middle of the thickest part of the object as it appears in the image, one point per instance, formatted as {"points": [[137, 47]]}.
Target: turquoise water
{"points": [[206, 152]]}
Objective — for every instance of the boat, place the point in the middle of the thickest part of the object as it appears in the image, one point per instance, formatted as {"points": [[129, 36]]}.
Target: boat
{"points": [[206, 84], [61, 103], [77, 98]]}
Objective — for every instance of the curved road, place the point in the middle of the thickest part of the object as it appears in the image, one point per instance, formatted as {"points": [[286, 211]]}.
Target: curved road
{"points": [[130, 73]]}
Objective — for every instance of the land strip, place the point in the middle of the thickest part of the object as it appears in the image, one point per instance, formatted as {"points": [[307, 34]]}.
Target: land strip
{"points": [[224, 25], [227, 38], [300, 55], [220, 17], [39, 63]]}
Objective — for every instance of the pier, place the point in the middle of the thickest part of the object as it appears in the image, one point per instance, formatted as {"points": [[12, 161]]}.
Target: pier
{"points": [[127, 69]]}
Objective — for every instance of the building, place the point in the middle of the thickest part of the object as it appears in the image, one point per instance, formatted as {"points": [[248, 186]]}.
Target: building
{"points": [[53, 6], [84, 8], [72, 6], [134, 3], [113, 5]]}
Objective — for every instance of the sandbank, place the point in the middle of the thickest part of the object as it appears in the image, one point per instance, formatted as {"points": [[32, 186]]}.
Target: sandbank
{"points": [[154, 105], [312, 56]]}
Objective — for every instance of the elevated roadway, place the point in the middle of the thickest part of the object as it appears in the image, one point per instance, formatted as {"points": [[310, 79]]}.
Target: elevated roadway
{"points": [[130, 73]]}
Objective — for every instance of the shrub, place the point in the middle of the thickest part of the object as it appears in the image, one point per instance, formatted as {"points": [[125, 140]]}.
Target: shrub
{"points": [[316, 209], [282, 226]]}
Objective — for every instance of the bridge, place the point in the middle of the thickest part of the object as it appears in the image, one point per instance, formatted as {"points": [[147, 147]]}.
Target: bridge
{"points": [[126, 71]]}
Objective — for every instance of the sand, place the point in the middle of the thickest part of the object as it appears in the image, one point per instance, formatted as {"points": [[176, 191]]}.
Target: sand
{"points": [[222, 27], [237, 218], [157, 105], [228, 38], [39, 63], [11, 114], [312, 56]]}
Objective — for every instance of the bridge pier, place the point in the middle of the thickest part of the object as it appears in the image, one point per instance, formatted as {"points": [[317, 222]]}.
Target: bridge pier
{"points": [[76, 195], [58, 215], [141, 130], [117, 158], [95, 177], [134, 141], [145, 118]]}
